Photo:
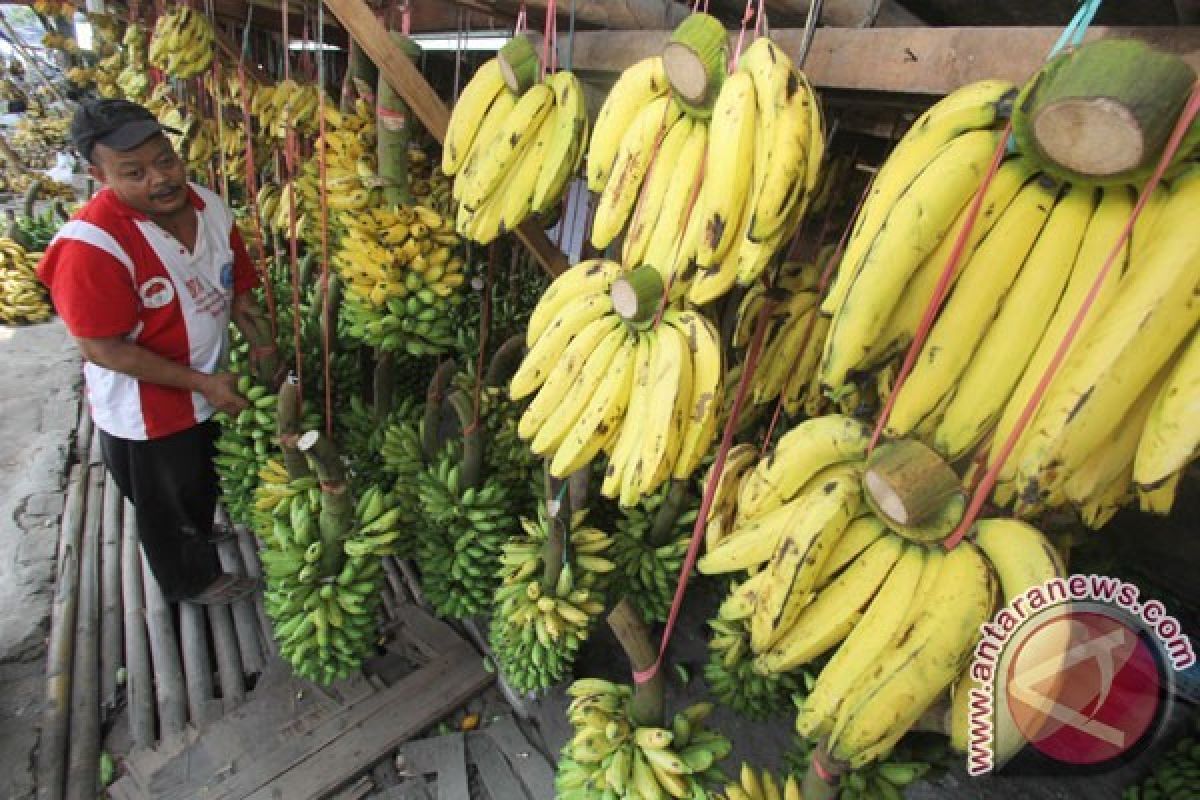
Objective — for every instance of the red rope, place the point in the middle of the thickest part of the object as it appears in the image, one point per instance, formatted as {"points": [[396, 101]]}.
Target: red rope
{"points": [[252, 201], [943, 285], [984, 489], [737, 53], [326, 344], [710, 490], [289, 159], [522, 21], [406, 19], [550, 38]]}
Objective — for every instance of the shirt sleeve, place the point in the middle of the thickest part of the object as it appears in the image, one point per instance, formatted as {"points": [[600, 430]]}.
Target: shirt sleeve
{"points": [[245, 277], [92, 291]]}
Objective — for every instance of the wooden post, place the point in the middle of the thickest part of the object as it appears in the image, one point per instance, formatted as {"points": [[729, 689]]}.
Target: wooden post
{"points": [[52, 745], [359, 21], [359, 68], [111, 637], [634, 635], [83, 746], [139, 688], [164, 654]]}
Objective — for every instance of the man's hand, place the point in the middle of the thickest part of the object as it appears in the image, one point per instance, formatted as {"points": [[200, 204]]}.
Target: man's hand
{"points": [[221, 391]]}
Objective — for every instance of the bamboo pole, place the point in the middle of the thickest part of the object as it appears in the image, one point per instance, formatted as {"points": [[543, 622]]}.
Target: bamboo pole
{"points": [[83, 744], [111, 636], [230, 672], [249, 552], [52, 746], [197, 664], [83, 432], [139, 689], [244, 621], [164, 653]]}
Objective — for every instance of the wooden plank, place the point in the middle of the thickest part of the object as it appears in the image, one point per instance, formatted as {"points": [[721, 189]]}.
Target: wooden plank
{"points": [[315, 764], [359, 20], [619, 14], [915, 60], [494, 771], [530, 765], [431, 636], [443, 756]]}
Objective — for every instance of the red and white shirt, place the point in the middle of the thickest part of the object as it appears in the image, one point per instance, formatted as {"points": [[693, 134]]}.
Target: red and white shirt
{"points": [[113, 272]]}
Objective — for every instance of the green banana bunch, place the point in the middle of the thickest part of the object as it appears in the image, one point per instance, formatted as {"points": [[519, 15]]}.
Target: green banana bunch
{"points": [[460, 535], [1176, 773], [733, 680], [244, 446], [649, 552], [322, 603], [39, 229], [538, 622], [612, 756], [183, 43], [403, 461]]}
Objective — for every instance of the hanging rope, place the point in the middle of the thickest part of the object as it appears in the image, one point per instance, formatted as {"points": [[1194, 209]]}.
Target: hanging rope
{"points": [[550, 39], [984, 489], [737, 52], [289, 160], [326, 322], [710, 489]]}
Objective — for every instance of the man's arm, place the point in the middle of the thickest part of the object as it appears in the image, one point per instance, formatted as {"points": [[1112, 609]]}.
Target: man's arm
{"points": [[125, 357]]}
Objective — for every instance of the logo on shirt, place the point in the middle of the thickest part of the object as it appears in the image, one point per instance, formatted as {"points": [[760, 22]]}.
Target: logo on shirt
{"points": [[156, 292], [227, 276]]}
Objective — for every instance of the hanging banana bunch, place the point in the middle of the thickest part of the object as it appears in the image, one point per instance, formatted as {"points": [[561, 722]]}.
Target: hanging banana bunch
{"points": [[513, 143], [606, 378], [649, 544], [287, 104], [755, 785], [403, 275], [733, 678], [611, 755], [183, 43], [707, 175], [549, 598]]}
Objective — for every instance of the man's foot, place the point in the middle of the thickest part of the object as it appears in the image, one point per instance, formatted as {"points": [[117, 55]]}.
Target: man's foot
{"points": [[224, 590]]}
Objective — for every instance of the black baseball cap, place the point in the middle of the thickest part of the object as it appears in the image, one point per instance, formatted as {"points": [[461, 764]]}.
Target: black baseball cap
{"points": [[118, 124]]}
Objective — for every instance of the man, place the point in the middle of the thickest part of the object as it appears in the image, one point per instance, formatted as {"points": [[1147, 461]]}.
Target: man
{"points": [[146, 277]]}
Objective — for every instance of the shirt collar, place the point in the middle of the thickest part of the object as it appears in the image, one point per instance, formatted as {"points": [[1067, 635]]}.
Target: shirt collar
{"points": [[109, 198]]}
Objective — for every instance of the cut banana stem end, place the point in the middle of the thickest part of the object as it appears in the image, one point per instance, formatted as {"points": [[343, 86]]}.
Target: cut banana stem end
{"points": [[518, 64], [909, 482], [695, 61], [637, 296]]}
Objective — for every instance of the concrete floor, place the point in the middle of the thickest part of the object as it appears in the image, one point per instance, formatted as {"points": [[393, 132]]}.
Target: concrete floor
{"points": [[39, 405]]}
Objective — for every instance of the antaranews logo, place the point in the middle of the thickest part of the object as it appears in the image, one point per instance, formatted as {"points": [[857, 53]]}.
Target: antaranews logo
{"points": [[1079, 668]]}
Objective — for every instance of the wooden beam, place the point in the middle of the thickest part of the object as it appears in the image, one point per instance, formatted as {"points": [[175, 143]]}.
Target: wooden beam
{"points": [[850, 13], [914, 60], [358, 19], [620, 14]]}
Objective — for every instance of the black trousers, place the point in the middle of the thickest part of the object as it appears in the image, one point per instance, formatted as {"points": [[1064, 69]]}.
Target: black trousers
{"points": [[172, 485]]}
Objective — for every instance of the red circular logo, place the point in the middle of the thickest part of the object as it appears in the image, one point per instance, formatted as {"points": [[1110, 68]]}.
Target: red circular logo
{"points": [[1083, 687]]}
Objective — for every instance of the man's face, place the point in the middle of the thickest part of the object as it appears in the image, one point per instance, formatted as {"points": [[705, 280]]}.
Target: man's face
{"points": [[150, 178]]}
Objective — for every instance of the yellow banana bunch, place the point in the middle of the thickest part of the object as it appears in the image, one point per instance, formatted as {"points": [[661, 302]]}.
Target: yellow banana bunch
{"points": [[402, 269], [183, 43], [612, 755], [23, 298], [604, 378], [287, 104], [753, 785], [707, 202], [512, 157]]}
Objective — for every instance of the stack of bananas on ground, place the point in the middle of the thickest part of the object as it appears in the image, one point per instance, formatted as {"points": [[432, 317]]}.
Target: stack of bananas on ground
{"points": [[1176, 771], [642, 393], [403, 275], [512, 156], [322, 589], [543, 613], [460, 531], [183, 44], [794, 337], [611, 755], [706, 200], [649, 544], [23, 298], [755, 785]]}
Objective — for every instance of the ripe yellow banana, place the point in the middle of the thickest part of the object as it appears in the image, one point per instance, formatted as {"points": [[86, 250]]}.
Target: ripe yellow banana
{"points": [[637, 86], [728, 169], [469, 112], [1171, 436]]}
